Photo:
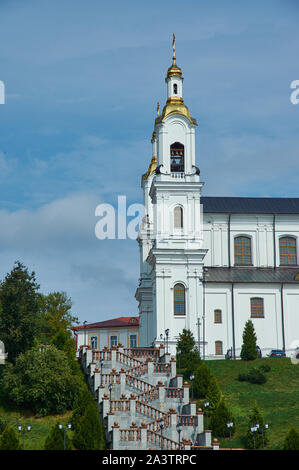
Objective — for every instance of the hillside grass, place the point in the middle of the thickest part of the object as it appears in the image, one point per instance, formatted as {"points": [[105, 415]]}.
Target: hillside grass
{"points": [[278, 398]]}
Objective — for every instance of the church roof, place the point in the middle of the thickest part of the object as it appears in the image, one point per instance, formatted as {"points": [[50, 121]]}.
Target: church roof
{"points": [[261, 275], [114, 323], [251, 205]]}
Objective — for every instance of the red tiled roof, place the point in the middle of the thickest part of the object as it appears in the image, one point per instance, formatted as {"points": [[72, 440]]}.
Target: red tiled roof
{"points": [[115, 322]]}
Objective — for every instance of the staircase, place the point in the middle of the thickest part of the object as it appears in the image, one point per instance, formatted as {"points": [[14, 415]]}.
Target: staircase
{"points": [[142, 401]]}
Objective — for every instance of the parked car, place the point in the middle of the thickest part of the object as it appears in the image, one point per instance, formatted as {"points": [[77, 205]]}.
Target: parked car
{"points": [[276, 353]]}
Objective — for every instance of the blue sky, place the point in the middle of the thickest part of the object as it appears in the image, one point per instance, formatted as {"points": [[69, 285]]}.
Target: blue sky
{"points": [[82, 82]]}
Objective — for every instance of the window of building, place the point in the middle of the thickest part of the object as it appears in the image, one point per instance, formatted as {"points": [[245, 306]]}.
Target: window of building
{"points": [[242, 251], [218, 348], [175, 89], [113, 341], [94, 342], [288, 250], [178, 217], [257, 307], [177, 157], [133, 341], [217, 316], [179, 299]]}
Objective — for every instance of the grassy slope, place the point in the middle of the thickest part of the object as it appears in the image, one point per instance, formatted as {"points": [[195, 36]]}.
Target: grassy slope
{"points": [[278, 398]]}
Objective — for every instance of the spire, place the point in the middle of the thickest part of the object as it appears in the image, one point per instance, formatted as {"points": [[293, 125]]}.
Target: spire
{"points": [[174, 70]]}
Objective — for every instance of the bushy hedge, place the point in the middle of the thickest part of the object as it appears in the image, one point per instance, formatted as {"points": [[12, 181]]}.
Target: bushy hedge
{"points": [[254, 376]]}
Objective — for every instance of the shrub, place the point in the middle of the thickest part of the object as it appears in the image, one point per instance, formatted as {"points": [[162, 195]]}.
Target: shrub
{"points": [[254, 376], [292, 440], [265, 368], [202, 378], [41, 380], [213, 395], [9, 440]]}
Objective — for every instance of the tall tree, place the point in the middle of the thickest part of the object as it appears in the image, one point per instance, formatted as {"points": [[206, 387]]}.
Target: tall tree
{"points": [[20, 307], [55, 440], [88, 434], [292, 440], [189, 355], [56, 315], [256, 439], [249, 351], [220, 418]]}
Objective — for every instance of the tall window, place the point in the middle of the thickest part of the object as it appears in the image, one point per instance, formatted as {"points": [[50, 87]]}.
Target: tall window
{"points": [[133, 341], [288, 250], [178, 217], [177, 158], [218, 348], [242, 251], [179, 300], [217, 316], [257, 307]]}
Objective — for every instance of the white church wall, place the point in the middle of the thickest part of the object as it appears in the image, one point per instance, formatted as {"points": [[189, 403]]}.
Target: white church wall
{"points": [[291, 315]]}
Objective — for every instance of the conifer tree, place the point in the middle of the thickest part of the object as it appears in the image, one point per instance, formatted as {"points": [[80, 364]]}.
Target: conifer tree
{"points": [[189, 356], [9, 439], [202, 377], [292, 440], [213, 395], [55, 440], [249, 351], [89, 435], [255, 440], [219, 420]]}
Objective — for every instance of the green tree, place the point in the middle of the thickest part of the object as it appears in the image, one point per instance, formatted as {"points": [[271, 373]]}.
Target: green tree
{"points": [[55, 440], [213, 395], [41, 380], [219, 420], [56, 315], [249, 351], [202, 377], [291, 441], [256, 439], [9, 439], [20, 308], [189, 356], [88, 433]]}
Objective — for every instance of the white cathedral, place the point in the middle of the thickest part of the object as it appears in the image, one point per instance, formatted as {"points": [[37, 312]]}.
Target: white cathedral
{"points": [[209, 264]]}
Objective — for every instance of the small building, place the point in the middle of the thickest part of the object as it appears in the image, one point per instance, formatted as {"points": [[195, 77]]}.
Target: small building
{"points": [[124, 330]]}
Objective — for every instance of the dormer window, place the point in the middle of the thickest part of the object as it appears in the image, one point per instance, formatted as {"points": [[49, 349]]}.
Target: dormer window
{"points": [[177, 151], [175, 89]]}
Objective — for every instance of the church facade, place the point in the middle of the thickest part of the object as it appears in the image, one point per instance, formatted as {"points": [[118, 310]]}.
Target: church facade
{"points": [[209, 264]]}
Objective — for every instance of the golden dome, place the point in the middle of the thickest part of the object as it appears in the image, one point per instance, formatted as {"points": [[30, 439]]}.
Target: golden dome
{"points": [[151, 169], [175, 105], [174, 70]]}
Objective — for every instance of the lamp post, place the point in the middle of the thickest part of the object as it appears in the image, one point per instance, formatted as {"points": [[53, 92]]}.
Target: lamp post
{"points": [[264, 428], [68, 426], [167, 334], [206, 405], [254, 429], [110, 392], [85, 323], [179, 357], [192, 378], [179, 430], [23, 430], [161, 424], [230, 425], [101, 365]]}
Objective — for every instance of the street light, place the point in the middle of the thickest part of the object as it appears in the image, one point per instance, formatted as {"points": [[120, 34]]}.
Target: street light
{"points": [[230, 425], [192, 378], [264, 428], [179, 430], [161, 425], [254, 429], [167, 334], [23, 431], [101, 365], [85, 323], [69, 426], [206, 405]]}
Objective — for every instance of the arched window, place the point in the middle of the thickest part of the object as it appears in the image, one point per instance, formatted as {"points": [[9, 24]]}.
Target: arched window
{"points": [[217, 316], [242, 251], [218, 348], [288, 250], [179, 299], [257, 307], [177, 151], [178, 217], [175, 89]]}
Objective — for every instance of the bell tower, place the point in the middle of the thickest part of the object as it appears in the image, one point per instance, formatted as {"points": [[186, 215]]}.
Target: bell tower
{"points": [[170, 239]]}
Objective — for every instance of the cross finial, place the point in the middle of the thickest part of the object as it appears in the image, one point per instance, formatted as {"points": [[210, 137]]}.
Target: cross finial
{"points": [[173, 47]]}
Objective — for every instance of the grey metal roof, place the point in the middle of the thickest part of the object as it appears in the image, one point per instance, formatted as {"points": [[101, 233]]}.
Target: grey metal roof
{"points": [[262, 275], [251, 205]]}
